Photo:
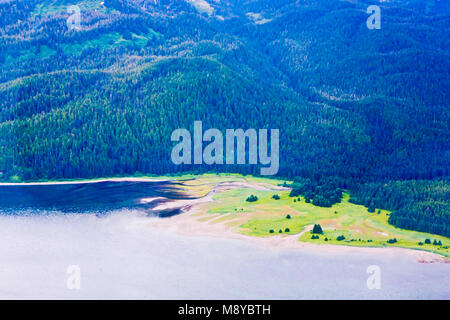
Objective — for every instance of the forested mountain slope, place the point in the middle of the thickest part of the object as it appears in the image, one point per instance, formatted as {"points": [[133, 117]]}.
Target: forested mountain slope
{"points": [[357, 104]]}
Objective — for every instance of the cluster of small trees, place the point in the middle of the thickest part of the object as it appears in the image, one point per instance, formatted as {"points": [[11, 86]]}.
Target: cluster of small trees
{"points": [[324, 193], [435, 242], [286, 230], [317, 229], [252, 198]]}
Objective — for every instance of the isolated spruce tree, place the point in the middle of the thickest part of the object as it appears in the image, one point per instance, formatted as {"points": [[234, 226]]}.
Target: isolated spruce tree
{"points": [[317, 229]]}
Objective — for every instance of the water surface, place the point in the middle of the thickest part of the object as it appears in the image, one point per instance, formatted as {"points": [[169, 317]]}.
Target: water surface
{"points": [[121, 257], [98, 197], [46, 229]]}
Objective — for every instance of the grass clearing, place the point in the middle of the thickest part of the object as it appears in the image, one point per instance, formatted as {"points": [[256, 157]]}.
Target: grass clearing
{"points": [[53, 7], [109, 40], [267, 216]]}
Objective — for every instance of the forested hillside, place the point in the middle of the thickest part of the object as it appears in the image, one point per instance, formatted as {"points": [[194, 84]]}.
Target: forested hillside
{"points": [[418, 205], [360, 105]]}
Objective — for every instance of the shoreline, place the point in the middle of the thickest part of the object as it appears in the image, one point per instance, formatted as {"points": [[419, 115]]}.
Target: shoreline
{"points": [[122, 257], [50, 183], [188, 224], [192, 221]]}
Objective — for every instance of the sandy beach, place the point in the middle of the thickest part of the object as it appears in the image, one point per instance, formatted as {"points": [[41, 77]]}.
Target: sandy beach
{"points": [[188, 224]]}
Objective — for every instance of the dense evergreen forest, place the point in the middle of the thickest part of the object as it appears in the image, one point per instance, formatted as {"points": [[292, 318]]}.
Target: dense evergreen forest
{"points": [[418, 204], [359, 109]]}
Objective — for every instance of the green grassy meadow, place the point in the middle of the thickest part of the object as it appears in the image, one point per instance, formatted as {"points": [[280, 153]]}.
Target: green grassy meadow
{"points": [[354, 222], [52, 7]]}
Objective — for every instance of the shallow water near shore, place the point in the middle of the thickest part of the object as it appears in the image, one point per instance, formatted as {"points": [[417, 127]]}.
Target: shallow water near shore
{"points": [[94, 197], [121, 256]]}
